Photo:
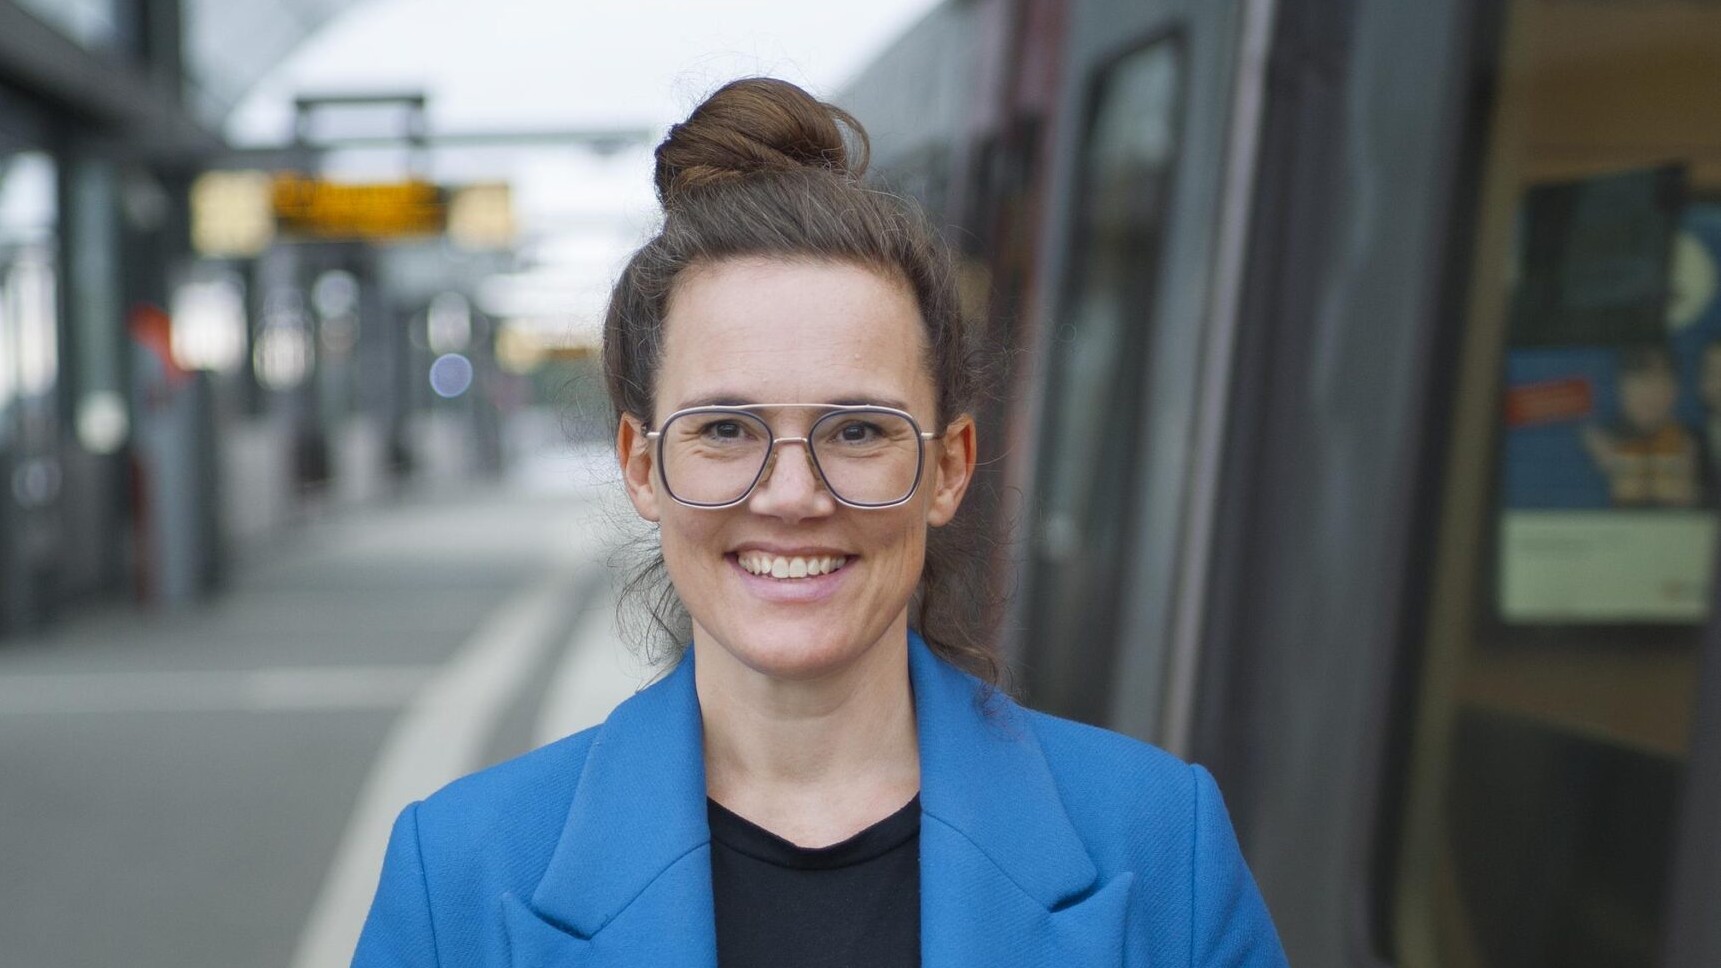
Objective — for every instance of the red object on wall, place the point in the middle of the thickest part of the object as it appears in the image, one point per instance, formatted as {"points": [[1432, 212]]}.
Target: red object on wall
{"points": [[1550, 401], [152, 328]]}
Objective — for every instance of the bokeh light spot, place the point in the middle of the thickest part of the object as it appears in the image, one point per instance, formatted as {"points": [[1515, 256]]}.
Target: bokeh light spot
{"points": [[451, 375]]}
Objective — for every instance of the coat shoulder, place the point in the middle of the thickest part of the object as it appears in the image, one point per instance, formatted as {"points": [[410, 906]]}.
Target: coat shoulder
{"points": [[1142, 810], [503, 821], [1125, 797], [457, 853], [1101, 761]]}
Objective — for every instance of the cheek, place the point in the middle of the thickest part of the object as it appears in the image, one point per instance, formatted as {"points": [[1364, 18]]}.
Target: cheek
{"points": [[689, 540], [906, 539]]}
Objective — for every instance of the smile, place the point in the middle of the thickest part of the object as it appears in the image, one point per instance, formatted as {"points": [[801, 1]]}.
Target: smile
{"points": [[777, 566]]}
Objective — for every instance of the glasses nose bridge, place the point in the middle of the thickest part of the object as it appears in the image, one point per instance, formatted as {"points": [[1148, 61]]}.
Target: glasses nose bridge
{"points": [[806, 443]]}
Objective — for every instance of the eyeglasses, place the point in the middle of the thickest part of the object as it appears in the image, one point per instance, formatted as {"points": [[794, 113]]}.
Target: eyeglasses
{"points": [[866, 456]]}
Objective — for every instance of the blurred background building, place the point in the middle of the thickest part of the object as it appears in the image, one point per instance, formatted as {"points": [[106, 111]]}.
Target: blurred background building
{"points": [[256, 265], [1361, 438]]}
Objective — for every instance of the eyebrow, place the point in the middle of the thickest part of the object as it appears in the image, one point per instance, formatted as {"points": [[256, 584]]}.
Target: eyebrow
{"points": [[725, 399]]}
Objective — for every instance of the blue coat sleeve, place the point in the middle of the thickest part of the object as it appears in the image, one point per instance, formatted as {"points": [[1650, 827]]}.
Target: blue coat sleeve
{"points": [[398, 932], [1232, 927]]}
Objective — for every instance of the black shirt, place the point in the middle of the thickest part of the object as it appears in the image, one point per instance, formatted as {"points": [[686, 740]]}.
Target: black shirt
{"points": [[854, 904]]}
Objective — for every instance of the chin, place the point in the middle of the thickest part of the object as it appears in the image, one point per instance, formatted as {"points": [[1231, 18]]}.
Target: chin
{"points": [[795, 650], [790, 644]]}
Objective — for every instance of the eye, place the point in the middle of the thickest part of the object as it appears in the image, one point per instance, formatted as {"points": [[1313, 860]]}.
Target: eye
{"points": [[856, 431], [724, 429]]}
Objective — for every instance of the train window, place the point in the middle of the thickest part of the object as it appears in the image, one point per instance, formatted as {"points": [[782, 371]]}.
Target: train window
{"points": [[1092, 423], [29, 373], [29, 335], [1579, 521]]}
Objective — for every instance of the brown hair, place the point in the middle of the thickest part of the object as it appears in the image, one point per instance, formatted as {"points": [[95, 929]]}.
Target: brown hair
{"points": [[762, 168]]}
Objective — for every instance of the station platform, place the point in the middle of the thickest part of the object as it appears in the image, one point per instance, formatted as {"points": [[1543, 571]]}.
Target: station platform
{"points": [[214, 787]]}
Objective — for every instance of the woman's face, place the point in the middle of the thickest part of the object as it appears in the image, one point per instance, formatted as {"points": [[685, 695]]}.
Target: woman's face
{"points": [[760, 331]]}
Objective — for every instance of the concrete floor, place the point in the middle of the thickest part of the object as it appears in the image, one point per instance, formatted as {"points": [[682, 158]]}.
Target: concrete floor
{"points": [[205, 787]]}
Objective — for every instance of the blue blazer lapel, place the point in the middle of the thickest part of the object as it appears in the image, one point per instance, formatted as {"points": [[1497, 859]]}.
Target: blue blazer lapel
{"points": [[1004, 878], [630, 881]]}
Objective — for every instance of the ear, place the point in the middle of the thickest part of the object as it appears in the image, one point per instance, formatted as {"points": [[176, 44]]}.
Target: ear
{"points": [[952, 470], [634, 452]]}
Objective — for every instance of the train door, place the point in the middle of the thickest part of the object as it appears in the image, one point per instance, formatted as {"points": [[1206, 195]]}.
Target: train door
{"points": [[29, 371], [1558, 745], [1138, 177]]}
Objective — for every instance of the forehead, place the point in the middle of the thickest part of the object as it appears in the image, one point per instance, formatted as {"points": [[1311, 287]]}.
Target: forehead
{"points": [[757, 331]]}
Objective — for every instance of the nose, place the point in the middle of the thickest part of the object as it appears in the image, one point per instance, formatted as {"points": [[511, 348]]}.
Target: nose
{"points": [[790, 487]]}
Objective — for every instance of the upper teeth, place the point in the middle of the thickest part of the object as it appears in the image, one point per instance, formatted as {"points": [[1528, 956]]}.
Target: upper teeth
{"points": [[777, 566]]}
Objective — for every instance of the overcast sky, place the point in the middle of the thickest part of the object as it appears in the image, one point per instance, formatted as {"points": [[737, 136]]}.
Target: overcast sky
{"points": [[544, 63], [551, 64]]}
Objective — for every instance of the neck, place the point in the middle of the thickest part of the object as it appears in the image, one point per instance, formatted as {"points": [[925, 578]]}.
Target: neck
{"points": [[813, 760]]}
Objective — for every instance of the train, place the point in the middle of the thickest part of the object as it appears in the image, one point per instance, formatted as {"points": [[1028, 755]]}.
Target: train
{"points": [[1362, 434]]}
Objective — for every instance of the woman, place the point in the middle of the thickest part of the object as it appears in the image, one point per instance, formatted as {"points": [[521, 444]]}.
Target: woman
{"points": [[814, 783]]}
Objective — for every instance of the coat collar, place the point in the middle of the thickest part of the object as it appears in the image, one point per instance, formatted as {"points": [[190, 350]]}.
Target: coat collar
{"points": [[631, 876], [983, 775]]}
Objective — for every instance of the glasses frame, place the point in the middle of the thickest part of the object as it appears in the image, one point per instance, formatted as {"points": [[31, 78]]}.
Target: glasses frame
{"points": [[830, 410]]}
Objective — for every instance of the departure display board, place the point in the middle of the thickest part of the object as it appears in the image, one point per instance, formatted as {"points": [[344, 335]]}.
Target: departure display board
{"points": [[313, 208]]}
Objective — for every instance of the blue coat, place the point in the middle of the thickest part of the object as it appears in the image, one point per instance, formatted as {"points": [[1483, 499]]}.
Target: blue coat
{"points": [[1042, 842]]}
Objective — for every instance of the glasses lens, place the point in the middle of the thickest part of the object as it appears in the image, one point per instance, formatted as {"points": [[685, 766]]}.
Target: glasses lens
{"points": [[868, 457], [713, 457]]}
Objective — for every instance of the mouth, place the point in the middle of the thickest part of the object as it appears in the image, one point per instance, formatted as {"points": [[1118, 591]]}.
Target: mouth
{"points": [[763, 564]]}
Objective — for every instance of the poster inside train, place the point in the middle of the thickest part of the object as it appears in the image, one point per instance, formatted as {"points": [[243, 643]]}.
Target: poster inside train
{"points": [[1610, 472]]}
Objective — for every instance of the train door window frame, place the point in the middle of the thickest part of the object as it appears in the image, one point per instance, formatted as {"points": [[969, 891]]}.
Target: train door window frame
{"points": [[1120, 421]]}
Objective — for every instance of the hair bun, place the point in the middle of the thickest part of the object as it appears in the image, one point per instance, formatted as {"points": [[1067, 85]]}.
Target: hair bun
{"points": [[754, 125]]}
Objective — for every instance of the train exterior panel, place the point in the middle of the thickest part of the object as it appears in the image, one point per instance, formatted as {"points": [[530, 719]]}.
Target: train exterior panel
{"points": [[1363, 436]]}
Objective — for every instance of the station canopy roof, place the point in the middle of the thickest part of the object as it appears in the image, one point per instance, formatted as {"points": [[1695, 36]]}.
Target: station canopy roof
{"points": [[230, 45], [71, 53]]}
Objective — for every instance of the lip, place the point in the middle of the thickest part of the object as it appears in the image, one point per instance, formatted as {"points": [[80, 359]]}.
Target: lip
{"points": [[790, 591], [791, 551]]}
